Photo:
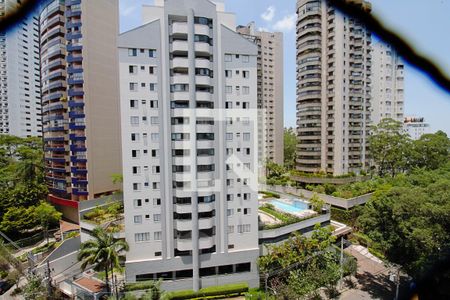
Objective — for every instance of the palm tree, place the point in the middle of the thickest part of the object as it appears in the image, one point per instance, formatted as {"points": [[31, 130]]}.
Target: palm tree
{"points": [[102, 252]]}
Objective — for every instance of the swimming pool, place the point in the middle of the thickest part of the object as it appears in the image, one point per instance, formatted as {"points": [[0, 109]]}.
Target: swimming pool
{"points": [[297, 206]]}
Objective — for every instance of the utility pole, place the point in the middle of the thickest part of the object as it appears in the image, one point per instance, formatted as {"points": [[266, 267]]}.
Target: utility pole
{"points": [[341, 262], [115, 287], [397, 281]]}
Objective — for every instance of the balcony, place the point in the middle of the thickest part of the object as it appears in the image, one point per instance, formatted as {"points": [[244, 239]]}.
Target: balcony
{"points": [[202, 29], [179, 28], [80, 158], [77, 126], [180, 62], [179, 79], [206, 242], [203, 63], [73, 35], [76, 104], [206, 223], [71, 58], [202, 47], [203, 96], [203, 80], [181, 46], [74, 47], [73, 13], [75, 93], [74, 137]]}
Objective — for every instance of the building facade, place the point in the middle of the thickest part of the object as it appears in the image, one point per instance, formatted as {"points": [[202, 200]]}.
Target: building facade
{"points": [[387, 84], [188, 87], [20, 86], [270, 92], [333, 89], [415, 127], [80, 98]]}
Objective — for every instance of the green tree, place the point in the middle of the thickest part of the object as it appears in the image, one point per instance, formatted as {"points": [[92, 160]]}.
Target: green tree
{"points": [[431, 150], [411, 222], [390, 148], [317, 203], [18, 219], [290, 145], [30, 167], [308, 264], [102, 252], [47, 215], [35, 288]]}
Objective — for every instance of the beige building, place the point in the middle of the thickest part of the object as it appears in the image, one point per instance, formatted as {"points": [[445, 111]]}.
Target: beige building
{"points": [[80, 98], [333, 90], [387, 86], [270, 92]]}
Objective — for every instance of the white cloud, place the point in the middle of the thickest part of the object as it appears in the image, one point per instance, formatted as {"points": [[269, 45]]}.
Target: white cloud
{"points": [[285, 24], [268, 14], [263, 29], [128, 10]]}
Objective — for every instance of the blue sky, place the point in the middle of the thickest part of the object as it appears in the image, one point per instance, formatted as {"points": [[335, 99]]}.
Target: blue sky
{"points": [[424, 23]]}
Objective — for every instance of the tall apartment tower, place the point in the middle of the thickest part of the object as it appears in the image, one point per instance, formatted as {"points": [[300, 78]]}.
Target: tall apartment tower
{"points": [[188, 89], [387, 85], [20, 92], [80, 97], [270, 92], [333, 89]]}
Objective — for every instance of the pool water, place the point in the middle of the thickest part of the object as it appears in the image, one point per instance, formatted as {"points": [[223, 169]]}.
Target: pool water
{"points": [[296, 206]]}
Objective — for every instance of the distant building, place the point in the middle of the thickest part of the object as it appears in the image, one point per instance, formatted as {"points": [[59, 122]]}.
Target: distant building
{"points": [[188, 89], [270, 92], [20, 86], [387, 84], [333, 89], [415, 127]]}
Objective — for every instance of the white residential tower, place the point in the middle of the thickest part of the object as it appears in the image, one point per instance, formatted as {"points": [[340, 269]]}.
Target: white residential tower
{"points": [[188, 105]]}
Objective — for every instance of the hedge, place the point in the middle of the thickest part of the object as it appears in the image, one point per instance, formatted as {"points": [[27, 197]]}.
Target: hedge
{"points": [[142, 285], [223, 291], [346, 216], [269, 194]]}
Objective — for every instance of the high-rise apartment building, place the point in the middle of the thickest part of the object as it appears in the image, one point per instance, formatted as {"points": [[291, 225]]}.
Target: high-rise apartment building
{"points": [[333, 89], [80, 97], [188, 87], [270, 92], [387, 84], [20, 92], [415, 127]]}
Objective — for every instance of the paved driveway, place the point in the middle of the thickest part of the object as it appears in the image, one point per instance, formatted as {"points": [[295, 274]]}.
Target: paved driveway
{"points": [[372, 280]]}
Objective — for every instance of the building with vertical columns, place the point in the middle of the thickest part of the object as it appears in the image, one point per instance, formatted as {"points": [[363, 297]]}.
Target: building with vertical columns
{"points": [[333, 89], [270, 92], [387, 85], [20, 92], [188, 89], [80, 98]]}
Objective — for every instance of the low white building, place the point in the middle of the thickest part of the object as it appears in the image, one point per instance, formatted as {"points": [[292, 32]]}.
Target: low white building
{"points": [[416, 127], [188, 88]]}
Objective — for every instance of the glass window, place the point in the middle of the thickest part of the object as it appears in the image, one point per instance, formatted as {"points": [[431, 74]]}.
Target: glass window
{"points": [[132, 52]]}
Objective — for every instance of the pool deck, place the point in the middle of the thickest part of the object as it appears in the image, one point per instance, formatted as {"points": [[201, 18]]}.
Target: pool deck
{"points": [[303, 214]]}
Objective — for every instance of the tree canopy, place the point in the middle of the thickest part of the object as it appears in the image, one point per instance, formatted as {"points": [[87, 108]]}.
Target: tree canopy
{"points": [[290, 146]]}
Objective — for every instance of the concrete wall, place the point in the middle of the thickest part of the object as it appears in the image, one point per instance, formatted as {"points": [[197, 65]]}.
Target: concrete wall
{"points": [[334, 201]]}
